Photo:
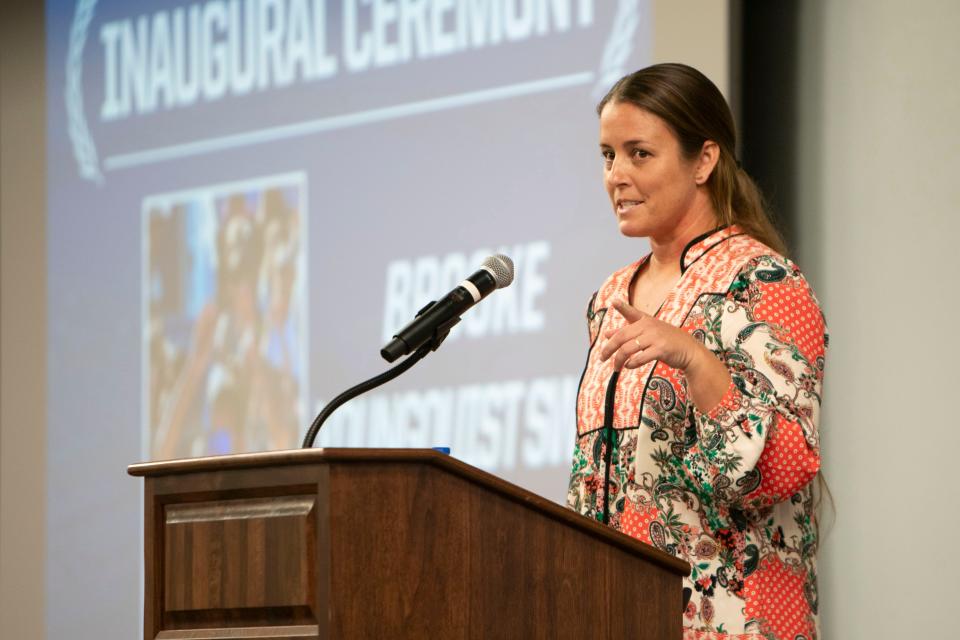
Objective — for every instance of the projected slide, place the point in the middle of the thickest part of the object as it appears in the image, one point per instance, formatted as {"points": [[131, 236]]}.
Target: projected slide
{"points": [[247, 198], [225, 350]]}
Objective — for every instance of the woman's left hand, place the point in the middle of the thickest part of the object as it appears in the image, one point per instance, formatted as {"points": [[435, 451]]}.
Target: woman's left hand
{"points": [[645, 338]]}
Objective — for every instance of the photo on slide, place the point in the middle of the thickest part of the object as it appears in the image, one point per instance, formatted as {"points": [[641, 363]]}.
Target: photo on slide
{"points": [[225, 339]]}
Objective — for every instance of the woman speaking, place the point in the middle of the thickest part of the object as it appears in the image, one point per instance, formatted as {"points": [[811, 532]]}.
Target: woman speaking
{"points": [[697, 411]]}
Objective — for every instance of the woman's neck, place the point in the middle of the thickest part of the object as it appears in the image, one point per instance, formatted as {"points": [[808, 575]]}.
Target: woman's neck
{"points": [[666, 250]]}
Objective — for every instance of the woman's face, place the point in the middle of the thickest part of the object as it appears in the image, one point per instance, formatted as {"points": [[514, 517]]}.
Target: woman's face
{"points": [[652, 187]]}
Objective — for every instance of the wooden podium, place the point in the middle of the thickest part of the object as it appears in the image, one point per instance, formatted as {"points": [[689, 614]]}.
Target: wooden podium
{"points": [[385, 544]]}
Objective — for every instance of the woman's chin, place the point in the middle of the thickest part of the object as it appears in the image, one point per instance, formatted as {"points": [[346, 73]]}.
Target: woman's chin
{"points": [[631, 229]]}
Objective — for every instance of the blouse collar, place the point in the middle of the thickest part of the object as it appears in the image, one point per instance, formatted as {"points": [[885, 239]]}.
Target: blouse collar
{"points": [[703, 243]]}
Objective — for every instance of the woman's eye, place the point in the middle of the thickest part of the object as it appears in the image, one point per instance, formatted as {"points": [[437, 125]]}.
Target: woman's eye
{"points": [[641, 153], [607, 157]]}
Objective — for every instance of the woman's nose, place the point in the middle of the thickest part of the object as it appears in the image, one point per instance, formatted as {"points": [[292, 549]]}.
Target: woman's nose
{"points": [[615, 174]]}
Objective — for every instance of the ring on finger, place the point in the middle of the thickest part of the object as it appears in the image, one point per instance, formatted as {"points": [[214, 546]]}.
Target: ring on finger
{"points": [[637, 342]]}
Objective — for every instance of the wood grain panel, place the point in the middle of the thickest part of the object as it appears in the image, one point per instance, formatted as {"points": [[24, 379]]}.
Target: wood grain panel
{"points": [[402, 544], [283, 464], [236, 563], [227, 554], [279, 632], [563, 584], [406, 542], [448, 558]]}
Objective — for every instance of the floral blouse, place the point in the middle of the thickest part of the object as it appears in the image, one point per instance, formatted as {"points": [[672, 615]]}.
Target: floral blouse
{"points": [[728, 491]]}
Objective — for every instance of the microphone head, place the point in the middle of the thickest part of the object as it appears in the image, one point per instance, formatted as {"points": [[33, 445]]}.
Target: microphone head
{"points": [[502, 269]]}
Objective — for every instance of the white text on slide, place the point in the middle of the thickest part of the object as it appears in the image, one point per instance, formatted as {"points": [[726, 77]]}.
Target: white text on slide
{"points": [[205, 51], [495, 426], [411, 284]]}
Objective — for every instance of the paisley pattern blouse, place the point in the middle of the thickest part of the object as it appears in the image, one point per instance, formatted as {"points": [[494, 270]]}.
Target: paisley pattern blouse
{"points": [[728, 491]]}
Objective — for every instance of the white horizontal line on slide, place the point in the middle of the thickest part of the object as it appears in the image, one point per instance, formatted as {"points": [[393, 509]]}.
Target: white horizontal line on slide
{"points": [[271, 134]]}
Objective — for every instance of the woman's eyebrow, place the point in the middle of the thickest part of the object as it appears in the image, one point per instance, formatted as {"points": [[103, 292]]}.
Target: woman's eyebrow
{"points": [[626, 143]]}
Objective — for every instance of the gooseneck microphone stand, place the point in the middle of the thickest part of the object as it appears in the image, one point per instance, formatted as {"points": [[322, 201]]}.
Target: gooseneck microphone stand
{"points": [[430, 345]]}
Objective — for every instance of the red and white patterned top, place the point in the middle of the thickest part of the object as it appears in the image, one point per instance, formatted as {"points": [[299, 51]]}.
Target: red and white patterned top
{"points": [[728, 491]]}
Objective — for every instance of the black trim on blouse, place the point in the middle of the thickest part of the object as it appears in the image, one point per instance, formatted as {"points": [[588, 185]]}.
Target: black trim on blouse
{"points": [[695, 241]]}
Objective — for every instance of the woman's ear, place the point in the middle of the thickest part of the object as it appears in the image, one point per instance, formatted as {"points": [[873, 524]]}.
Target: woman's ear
{"points": [[706, 161]]}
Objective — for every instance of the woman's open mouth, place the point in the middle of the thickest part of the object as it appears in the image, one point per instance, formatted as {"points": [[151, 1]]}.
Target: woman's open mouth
{"points": [[624, 206]]}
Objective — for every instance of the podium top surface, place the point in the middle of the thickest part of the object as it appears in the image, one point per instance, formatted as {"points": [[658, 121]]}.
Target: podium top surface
{"points": [[427, 457]]}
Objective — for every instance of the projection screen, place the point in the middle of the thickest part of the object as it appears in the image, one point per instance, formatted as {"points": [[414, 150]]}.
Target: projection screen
{"points": [[248, 198]]}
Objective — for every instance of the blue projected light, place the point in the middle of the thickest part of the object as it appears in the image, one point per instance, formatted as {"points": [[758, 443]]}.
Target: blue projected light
{"points": [[247, 198]]}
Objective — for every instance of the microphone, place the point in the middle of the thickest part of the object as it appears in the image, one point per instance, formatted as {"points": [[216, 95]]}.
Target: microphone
{"points": [[436, 319]]}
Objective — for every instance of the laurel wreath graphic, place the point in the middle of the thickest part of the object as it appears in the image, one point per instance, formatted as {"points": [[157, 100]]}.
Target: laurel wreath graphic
{"points": [[619, 46], [84, 150]]}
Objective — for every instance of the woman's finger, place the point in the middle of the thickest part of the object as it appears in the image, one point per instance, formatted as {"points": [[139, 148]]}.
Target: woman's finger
{"points": [[637, 360], [619, 359], [627, 350], [628, 311], [611, 346], [616, 341], [645, 350]]}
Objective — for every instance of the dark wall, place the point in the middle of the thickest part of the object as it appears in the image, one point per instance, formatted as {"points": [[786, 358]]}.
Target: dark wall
{"points": [[766, 67]]}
